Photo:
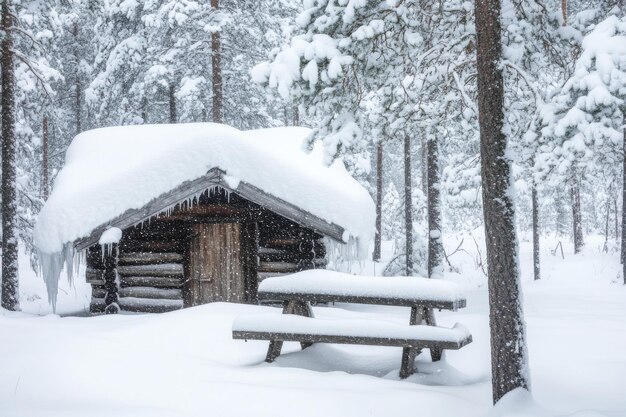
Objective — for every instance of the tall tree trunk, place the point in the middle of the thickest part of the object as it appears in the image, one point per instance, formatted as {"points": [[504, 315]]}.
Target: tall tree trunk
{"points": [[506, 322], [616, 218], [408, 208], [45, 164], [624, 199], [216, 67], [144, 110], [435, 237], [172, 101], [564, 11], [379, 202], [424, 164], [296, 116], [78, 85], [536, 251], [577, 222], [10, 280]]}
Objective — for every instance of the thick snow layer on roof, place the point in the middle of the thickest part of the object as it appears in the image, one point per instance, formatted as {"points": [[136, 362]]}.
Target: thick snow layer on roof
{"points": [[110, 170]]}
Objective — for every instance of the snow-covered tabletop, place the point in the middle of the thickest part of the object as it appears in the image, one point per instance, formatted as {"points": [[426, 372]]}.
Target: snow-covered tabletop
{"points": [[326, 286]]}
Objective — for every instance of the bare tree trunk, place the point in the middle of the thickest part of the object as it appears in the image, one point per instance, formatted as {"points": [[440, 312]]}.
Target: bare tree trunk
{"points": [[78, 85], [172, 101], [605, 248], [424, 164], [624, 201], [576, 216], [296, 116], [616, 218], [536, 228], [564, 11], [216, 67], [45, 163], [379, 202], [408, 208], [10, 279], [144, 110], [561, 215], [508, 336], [435, 237]]}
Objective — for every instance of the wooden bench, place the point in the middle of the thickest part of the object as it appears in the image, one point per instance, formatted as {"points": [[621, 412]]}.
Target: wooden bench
{"points": [[297, 323]]}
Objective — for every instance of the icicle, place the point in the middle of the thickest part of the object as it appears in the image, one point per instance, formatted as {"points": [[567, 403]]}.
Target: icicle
{"points": [[51, 265]]}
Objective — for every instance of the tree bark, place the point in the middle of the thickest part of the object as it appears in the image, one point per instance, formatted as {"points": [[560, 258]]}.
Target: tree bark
{"points": [[435, 237], [536, 226], [408, 208], [216, 67], [172, 100], [576, 216], [507, 327], [379, 202], [45, 164], [10, 281], [78, 114], [624, 200], [564, 11]]}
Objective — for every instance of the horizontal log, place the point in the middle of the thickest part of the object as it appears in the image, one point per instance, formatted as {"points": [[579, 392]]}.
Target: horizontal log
{"points": [[157, 282], [296, 245], [263, 275], [147, 305], [278, 267], [151, 292], [97, 305], [97, 292], [162, 232], [151, 245], [162, 270], [94, 276], [143, 258]]}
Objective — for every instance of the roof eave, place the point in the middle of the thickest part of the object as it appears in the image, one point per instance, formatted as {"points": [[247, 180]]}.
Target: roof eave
{"points": [[213, 178]]}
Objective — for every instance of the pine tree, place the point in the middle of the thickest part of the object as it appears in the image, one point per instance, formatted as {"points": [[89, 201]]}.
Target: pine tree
{"points": [[508, 338], [10, 280]]}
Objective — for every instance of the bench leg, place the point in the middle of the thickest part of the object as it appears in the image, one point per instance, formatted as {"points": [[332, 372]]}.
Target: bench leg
{"points": [[304, 309], [435, 353], [274, 350], [407, 368]]}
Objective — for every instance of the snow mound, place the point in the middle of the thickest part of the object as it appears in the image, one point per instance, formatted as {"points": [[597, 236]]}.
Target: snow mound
{"points": [[111, 170]]}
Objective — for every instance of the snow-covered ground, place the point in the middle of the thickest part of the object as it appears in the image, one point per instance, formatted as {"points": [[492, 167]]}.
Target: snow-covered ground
{"points": [[186, 364]]}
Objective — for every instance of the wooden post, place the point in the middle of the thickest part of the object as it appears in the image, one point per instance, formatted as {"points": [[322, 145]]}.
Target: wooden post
{"points": [[110, 279]]}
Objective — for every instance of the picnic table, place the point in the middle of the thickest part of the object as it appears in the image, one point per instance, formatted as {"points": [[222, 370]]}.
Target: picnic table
{"points": [[297, 323]]}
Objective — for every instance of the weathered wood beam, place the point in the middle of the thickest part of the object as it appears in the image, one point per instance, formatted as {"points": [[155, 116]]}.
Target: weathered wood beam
{"points": [[94, 276], [151, 292], [148, 305], [142, 258], [150, 246], [157, 282], [278, 267], [161, 270]]}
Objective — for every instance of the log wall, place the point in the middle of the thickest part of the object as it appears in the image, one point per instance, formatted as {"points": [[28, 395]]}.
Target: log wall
{"points": [[153, 264]]}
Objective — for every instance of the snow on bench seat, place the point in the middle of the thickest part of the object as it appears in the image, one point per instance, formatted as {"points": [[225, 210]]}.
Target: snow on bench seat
{"points": [[329, 286], [290, 327]]}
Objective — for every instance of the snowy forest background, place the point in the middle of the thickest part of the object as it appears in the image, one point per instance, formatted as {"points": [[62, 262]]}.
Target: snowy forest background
{"points": [[389, 85]]}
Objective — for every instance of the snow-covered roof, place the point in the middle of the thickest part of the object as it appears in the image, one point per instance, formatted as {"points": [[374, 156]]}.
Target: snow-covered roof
{"points": [[110, 171]]}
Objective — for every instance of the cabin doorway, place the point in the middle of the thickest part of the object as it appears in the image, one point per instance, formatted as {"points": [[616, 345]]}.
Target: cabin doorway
{"points": [[217, 269]]}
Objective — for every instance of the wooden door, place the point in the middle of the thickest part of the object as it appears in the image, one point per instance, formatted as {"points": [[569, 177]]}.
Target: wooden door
{"points": [[216, 269]]}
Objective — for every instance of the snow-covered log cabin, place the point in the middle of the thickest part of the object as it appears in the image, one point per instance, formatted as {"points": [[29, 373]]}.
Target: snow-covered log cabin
{"points": [[172, 216]]}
